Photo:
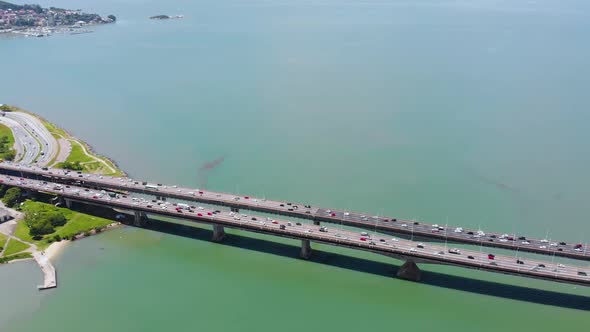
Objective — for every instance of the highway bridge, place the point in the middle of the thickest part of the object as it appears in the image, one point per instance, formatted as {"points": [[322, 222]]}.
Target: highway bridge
{"points": [[409, 251], [392, 225]]}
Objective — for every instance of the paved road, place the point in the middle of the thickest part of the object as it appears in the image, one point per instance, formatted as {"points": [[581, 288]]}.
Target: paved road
{"points": [[394, 247], [41, 146], [377, 223], [27, 148]]}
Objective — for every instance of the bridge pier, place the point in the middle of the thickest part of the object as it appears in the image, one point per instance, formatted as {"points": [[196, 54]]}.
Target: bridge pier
{"points": [[233, 209], [140, 218], [305, 249], [218, 233], [316, 222], [68, 203], [409, 271]]}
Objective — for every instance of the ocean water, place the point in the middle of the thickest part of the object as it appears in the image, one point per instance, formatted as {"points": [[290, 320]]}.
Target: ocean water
{"points": [[475, 112]]}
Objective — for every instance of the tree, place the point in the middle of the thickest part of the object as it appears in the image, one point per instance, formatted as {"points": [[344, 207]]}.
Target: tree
{"points": [[55, 218], [40, 226], [9, 155], [12, 196]]}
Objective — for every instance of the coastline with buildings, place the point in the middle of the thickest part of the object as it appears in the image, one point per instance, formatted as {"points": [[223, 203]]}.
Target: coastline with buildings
{"points": [[35, 21]]}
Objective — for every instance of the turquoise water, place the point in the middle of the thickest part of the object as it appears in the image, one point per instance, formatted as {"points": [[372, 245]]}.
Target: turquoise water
{"points": [[475, 111]]}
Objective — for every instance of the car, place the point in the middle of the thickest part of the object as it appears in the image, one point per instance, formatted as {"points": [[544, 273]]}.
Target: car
{"points": [[542, 247], [541, 265], [582, 273], [470, 233], [522, 238], [381, 240], [298, 224], [282, 205], [455, 251], [420, 245], [458, 230], [560, 265], [470, 257], [275, 222], [518, 261], [246, 197], [364, 234], [253, 218], [525, 242], [544, 241], [394, 219], [282, 226], [208, 213], [404, 225], [289, 223], [494, 263], [333, 214], [363, 239], [346, 214], [416, 223], [491, 256], [493, 236], [323, 229], [578, 249], [562, 243], [559, 249], [372, 243], [579, 245]]}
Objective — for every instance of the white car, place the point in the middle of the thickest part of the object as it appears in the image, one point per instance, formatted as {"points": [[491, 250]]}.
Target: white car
{"points": [[346, 214]]}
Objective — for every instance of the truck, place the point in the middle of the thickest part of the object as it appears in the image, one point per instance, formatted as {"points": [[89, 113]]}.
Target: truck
{"points": [[183, 206], [151, 187]]}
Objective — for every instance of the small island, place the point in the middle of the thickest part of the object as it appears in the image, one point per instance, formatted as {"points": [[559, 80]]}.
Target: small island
{"points": [[164, 17], [33, 20]]}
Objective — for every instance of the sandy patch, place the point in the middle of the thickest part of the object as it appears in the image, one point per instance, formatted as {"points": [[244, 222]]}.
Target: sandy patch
{"points": [[55, 249]]}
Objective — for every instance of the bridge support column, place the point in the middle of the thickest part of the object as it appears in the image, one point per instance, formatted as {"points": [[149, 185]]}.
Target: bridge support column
{"points": [[233, 209], [410, 271], [305, 249], [140, 219], [316, 222], [218, 233], [68, 203]]}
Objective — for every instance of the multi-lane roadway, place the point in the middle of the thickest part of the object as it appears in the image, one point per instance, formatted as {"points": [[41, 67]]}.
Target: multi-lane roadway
{"points": [[395, 247], [412, 229], [33, 142]]}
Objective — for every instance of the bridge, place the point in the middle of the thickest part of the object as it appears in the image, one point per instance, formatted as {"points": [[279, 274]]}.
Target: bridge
{"points": [[411, 252], [391, 225]]}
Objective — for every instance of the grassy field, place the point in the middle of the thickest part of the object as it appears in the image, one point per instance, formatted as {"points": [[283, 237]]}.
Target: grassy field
{"points": [[22, 255], [5, 131], [15, 246], [76, 223], [3, 239]]}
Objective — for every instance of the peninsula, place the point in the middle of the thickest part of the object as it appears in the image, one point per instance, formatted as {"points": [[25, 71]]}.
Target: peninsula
{"points": [[33, 20]]}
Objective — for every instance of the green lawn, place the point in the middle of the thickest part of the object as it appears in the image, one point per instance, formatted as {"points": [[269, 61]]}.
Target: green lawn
{"points": [[15, 246], [76, 223], [17, 256], [5, 131], [3, 239], [90, 165]]}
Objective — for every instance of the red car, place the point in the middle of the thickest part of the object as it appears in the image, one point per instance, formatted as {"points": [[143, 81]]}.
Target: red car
{"points": [[490, 256], [246, 197], [579, 245], [275, 222], [333, 214], [200, 192], [363, 239], [209, 214]]}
